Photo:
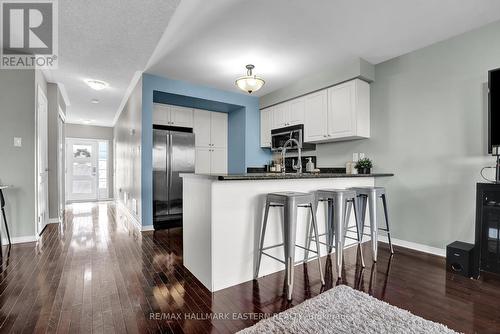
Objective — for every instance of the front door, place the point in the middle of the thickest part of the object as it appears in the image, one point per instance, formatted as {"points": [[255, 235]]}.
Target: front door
{"points": [[81, 169]]}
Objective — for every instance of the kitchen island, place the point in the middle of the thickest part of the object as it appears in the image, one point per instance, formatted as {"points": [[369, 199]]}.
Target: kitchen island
{"points": [[222, 219]]}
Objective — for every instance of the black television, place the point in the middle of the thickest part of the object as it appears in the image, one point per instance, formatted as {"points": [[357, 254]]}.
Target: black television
{"points": [[494, 111]]}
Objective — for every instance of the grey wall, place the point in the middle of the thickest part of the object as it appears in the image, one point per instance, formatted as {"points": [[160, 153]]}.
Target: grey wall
{"points": [[357, 68], [127, 134], [428, 122], [56, 101], [95, 132], [17, 167]]}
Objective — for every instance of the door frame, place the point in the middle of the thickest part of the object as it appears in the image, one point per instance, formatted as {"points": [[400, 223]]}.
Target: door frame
{"points": [[108, 170], [39, 228]]}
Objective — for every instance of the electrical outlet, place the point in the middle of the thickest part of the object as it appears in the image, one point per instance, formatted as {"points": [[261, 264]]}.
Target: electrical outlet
{"points": [[18, 142]]}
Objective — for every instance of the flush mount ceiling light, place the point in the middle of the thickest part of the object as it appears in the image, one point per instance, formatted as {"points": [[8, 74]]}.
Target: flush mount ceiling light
{"points": [[94, 101], [250, 83], [96, 84]]}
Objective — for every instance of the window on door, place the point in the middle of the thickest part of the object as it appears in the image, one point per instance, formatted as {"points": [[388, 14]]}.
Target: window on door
{"points": [[103, 170]]}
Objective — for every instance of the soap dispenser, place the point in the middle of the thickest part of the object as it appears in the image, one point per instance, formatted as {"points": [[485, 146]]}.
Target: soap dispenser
{"points": [[310, 165]]}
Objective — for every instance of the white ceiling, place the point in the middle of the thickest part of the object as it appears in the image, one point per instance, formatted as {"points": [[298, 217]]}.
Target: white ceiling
{"points": [[210, 42], [107, 40]]}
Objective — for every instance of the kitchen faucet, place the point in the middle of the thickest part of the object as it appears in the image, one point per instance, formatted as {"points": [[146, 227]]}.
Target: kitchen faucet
{"points": [[298, 166]]}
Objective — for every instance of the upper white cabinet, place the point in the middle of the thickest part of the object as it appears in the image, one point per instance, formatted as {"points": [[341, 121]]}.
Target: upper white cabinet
{"points": [[210, 129], [288, 113], [164, 114], [265, 127], [316, 117], [349, 110], [297, 111]]}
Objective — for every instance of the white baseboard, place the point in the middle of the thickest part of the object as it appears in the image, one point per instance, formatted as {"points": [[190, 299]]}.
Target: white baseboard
{"points": [[54, 221], [19, 240], [148, 228], [415, 246]]}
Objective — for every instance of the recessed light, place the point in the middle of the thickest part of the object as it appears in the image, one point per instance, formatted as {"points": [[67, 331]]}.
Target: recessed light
{"points": [[96, 84], [94, 101]]}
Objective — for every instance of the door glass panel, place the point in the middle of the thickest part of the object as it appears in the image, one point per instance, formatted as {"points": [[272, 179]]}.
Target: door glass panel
{"points": [[82, 151], [82, 169], [82, 187]]}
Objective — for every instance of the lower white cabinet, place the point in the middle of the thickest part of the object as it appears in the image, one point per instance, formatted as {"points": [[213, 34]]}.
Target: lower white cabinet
{"points": [[211, 160], [218, 160], [202, 160]]}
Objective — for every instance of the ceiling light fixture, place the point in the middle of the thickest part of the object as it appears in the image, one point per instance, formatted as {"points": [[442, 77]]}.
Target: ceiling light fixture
{"points": [[250, 83], [87, 121], [96, 84], [94, 101]]}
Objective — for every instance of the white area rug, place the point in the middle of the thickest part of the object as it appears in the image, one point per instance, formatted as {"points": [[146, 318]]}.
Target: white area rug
{"points": [[345, 310]]}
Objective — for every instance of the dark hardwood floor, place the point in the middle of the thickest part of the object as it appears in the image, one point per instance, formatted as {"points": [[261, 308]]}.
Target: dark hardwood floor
{"points": [[96, 273]]}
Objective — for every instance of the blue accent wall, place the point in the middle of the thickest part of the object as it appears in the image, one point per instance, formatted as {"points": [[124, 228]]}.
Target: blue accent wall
{"points": [[243, 121]]}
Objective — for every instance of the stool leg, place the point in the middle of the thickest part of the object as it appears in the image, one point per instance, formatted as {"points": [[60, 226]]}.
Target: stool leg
{"points": [[330, 231], [289, 243], [314, 208], [315, 226], [362, 213], [372, 206], [6, 226], [356, 218], [338, 222], [384, 202], [262, 234]]}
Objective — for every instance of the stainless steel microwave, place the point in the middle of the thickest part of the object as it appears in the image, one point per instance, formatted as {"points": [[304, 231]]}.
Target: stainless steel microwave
{"points": [[281, 135]]}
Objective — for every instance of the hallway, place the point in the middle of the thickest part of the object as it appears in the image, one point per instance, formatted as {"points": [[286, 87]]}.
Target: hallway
{"points": [[96, 273]]}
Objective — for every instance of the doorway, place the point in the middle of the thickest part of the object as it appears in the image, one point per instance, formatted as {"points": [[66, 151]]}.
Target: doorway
{"points": [[42, 191], [86, 170]]}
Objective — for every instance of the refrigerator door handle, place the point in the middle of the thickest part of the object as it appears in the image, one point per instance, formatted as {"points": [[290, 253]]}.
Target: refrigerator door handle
{"points": [[169, 171]]}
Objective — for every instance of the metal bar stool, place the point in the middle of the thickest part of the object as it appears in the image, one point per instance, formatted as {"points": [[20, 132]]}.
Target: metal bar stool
{"points": [[370, 195], [340, 202], [289, 201]]}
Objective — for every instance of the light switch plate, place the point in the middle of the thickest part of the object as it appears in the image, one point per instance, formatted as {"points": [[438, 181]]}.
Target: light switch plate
{"points": [[18, 142]]}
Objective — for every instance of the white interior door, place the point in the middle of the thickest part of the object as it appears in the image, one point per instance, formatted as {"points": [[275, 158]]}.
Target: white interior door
{"points": [[42, 162], [81, 169]]}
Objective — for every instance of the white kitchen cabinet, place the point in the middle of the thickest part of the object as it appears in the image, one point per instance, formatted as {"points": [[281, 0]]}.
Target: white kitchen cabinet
{"points": [[202, 128], [180, 116], [280, 115], [349, 110], [161, 114], [316, 117], [296, 111], [265, 127], [210, 130], [164, 114], [218, 160], [202, 160], [218, 125]]}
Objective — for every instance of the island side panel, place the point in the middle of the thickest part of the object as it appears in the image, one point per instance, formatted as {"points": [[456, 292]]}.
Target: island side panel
{"points": [[237, 213], [197, 248]]}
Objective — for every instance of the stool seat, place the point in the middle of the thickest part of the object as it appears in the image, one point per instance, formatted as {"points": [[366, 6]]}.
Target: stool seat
{"points": [[332, 193], [379, 191]]}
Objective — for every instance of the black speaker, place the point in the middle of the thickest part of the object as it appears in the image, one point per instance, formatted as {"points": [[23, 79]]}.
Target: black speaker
{"points": [[460, 258]]}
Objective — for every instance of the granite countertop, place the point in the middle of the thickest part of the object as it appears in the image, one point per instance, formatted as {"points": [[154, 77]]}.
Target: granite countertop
{"points": [[279, 176]]}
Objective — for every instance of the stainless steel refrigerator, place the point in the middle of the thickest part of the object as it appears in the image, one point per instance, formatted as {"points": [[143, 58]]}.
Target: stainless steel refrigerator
{"points": [[173, 153]]}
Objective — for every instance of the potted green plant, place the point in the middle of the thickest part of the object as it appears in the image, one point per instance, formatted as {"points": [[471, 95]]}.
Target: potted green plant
{"points": [[364, 166]]}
